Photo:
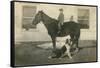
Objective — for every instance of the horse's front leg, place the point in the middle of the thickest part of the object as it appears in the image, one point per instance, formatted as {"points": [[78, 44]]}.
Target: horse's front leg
{"points": [[54, 43], [54, 47]]}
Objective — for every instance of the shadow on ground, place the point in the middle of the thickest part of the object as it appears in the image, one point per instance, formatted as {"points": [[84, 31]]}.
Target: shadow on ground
{"points": [[27, 53]]}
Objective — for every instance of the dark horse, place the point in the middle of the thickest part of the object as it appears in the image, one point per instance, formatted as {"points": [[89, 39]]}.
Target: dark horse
{"points": [[68, 28]]}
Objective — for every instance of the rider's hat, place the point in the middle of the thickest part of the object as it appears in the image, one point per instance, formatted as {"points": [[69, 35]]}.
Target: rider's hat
{"points": [[60, 9]]}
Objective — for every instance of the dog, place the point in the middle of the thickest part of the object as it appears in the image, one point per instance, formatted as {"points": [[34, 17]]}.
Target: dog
{"points": [[65, 50]]}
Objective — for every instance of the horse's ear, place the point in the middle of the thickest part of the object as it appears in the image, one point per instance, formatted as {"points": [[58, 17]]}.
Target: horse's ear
{"points": [[41, 10]]}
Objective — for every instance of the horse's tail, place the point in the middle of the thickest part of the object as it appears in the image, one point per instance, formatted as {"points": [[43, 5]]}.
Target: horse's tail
{"points": [[78, 32], [77, 37]]}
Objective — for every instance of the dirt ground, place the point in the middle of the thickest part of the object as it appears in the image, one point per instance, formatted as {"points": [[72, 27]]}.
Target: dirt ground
{"points": [[27, 53]]}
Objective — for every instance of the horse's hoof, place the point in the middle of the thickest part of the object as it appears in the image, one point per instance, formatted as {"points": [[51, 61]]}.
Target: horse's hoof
{"points": [[50, 57], [70, 57], [76, 50], [60, 58]]}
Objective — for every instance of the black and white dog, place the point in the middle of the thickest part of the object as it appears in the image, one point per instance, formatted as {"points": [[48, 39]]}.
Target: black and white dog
{"points": [[64, 50]]}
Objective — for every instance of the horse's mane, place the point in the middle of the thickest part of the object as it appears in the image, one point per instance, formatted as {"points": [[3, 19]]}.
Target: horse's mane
{"points": [[49, 17]]}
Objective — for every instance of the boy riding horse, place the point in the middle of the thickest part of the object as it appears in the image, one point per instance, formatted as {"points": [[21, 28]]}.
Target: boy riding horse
{"points": [[60, 19]]}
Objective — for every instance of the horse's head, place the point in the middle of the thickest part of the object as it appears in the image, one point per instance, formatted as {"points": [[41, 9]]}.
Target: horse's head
{"points": [[38, 18]]}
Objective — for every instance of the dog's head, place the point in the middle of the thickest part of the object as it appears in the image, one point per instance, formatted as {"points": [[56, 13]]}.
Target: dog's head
{"points": [[68, 41]]}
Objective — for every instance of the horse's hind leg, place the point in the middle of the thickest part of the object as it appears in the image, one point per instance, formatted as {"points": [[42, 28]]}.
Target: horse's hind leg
{"points": [[77, 42], [76, 48], [74, 40]]}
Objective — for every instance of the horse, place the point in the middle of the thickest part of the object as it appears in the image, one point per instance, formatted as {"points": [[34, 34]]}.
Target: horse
{"points": [[68, 28]]}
